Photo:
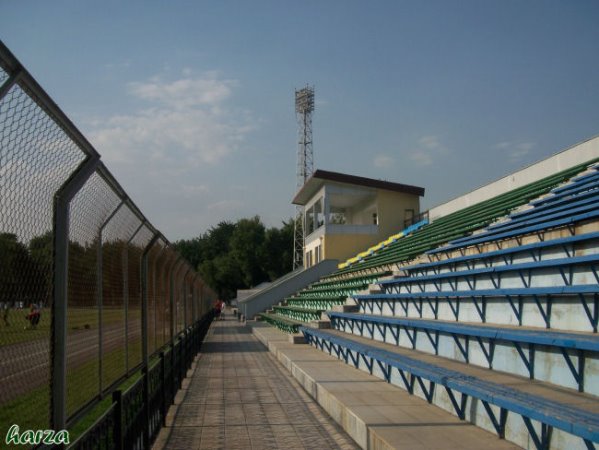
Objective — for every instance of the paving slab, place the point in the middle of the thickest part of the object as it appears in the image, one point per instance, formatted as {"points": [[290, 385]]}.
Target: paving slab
{"points": [[238, 396]]}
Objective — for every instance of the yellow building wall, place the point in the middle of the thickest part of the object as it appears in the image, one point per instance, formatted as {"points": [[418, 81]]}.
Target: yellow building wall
{"points": [[344, 246], [392, 211]]}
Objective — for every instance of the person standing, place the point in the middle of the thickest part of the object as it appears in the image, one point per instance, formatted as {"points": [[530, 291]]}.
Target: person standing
{"points": [[217, 308], [6, 308], [222, 310]]}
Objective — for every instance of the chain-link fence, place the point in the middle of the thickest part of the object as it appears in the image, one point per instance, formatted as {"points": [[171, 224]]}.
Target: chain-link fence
{"points": [[89, 289]]}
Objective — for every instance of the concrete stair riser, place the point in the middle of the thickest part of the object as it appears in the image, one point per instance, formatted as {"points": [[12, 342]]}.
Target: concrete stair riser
{"points": [[515, 430]]}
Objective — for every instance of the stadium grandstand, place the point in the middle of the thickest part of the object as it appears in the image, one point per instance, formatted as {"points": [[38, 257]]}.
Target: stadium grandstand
{"points": [[489, 311], [482, 312]]}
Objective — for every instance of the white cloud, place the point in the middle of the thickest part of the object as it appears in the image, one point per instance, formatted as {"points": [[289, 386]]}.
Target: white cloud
{"points": [[165, 152], [224, 206], [428, 150], [383, 161], [186, 92], [185, 124], [421, 158], [516, 151], [118, 65], [194, 190], [429, 142]]}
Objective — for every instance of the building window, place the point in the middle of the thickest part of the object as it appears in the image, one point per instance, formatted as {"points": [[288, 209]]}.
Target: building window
{"points": [[317, 254], [314, 217], [309, 258], [337, 216], [318, 213], [375, 219], [309, 221]]}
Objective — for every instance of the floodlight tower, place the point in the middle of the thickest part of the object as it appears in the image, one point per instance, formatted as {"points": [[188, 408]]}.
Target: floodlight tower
{"points": [[304, 107]]}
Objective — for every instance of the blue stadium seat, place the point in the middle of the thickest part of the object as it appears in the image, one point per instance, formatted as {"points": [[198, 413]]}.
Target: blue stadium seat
{"points": [[576, 418], [487, 337]]}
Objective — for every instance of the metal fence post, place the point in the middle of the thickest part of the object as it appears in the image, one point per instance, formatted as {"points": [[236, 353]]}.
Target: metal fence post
{"points": [[126, 292], [165, 275], [117, 397], [10, 82], [194, 299], [163, 404], [100, 292], [62, 201], [145, 338], [172, 323], [194, 313], [185, 299], [172, 299], [154, 276]]}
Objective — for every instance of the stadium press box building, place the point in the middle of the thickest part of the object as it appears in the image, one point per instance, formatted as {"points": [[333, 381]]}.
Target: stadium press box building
{"points": [[343, 214]]}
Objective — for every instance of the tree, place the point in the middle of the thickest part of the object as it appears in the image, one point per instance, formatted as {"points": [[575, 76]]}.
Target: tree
{"points": [[41, 249], [246, 247], [21, 280], [208, 245], [240, 255], [218, 239], [278, 251], [223, 275]]}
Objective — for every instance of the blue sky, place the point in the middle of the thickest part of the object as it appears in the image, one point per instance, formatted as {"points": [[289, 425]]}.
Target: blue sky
{"points": [[190, 103]]}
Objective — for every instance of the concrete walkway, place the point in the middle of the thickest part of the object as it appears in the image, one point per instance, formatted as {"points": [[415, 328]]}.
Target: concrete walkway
{"points": [[238, 396], [376, 414], [251, 388]]}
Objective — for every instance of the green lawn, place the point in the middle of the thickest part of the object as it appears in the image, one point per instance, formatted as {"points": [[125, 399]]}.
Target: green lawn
{"points": [[30, 411], [77, 319], [88, 420]]}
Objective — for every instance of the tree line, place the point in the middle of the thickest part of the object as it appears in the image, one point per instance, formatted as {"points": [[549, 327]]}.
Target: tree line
{"points": [[26, 271], [240, 255], [229, 256]]}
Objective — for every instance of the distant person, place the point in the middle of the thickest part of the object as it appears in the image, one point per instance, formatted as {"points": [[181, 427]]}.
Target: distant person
{"points": [[222, 310], [5, 312], [217, 309], [34, 316]]}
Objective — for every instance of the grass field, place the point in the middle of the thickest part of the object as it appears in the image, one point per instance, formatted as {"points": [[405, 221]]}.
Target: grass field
{"points": [[31, 411], [80, 427], [77, 319]]}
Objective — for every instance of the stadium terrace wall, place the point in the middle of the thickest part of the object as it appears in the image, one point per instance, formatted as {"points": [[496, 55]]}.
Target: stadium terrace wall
{"points": [[90, 291], [284, 287], [570, 157]]}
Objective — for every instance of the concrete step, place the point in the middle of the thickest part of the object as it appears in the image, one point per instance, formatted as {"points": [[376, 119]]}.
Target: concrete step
{"points": [[346, 308], [487, 345], [374, 289], [398, 273], [377, 415], [319, 324], [524, 388], [296, 338]]}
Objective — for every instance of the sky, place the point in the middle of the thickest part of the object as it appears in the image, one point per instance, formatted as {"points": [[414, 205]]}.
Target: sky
{"points": [[191, 103]]}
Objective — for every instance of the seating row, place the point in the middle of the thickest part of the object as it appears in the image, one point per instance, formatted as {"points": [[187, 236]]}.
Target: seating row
{"points": [[498, 327], [523, 351], [542, 409], [460, 223]]}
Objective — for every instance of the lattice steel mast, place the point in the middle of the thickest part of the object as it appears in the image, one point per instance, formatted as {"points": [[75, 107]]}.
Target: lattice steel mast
{"points": [[304, 107]]}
